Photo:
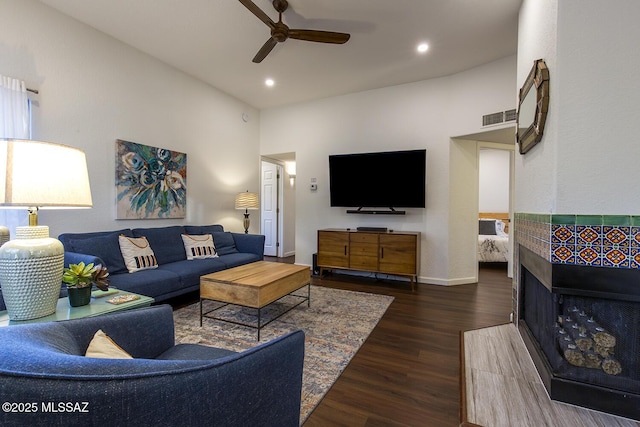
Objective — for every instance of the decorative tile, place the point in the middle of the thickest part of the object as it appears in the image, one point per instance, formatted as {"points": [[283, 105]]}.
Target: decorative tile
{"points": [[635, 257], [614, 257], [563, 219], [588, 255], [589, 219], [562, 234], [616, 235], [616, 220], [594, 240], [588, 235], [562, 254], [634, 237]]}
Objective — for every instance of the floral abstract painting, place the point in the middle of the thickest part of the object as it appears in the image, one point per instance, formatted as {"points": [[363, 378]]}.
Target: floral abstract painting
{"points": [[151, 182]]}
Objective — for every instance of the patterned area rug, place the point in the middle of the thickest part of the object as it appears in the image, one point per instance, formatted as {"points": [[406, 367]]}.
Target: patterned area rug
{"points": [[336, 325]]}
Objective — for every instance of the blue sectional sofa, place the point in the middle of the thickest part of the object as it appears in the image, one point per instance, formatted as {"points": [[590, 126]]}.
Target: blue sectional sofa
{"points": [[175, 274], [42, 367]]}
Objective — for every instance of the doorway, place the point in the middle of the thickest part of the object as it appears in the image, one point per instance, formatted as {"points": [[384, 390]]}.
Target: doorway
{"points": [[277, 204], [495, 171], [464, 199]]}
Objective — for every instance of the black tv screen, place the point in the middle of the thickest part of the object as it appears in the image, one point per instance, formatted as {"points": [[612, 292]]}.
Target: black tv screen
{"points": [[394, 179]]}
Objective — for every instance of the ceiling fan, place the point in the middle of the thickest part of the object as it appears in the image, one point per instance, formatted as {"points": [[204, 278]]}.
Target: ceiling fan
{"points": [[281, 32]]}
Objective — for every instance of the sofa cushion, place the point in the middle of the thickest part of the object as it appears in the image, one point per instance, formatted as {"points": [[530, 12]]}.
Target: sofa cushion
{"points": [[104, 246], [103, 347], [137, 253], [191, 271], [199, 246], [152, 283], [240, 258], [194, 352], [224, 243], [166, 242], [203, 229]]}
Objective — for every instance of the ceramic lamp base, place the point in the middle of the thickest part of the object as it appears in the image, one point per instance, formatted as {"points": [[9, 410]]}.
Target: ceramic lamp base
{"points": [[31, 269]]}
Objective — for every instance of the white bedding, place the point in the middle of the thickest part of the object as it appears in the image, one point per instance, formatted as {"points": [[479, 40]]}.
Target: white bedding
{"points": [[493, 247]]}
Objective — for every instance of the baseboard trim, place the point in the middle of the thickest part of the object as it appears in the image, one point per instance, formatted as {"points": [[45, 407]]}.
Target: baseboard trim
{"points": [[447, 282]]}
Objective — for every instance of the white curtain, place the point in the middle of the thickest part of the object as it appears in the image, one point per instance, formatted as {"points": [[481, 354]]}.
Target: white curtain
{"points": [[14, 109], [14, 123]]}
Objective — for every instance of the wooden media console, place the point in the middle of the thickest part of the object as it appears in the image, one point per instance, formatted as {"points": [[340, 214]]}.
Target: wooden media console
{"points": [[388, 252]]}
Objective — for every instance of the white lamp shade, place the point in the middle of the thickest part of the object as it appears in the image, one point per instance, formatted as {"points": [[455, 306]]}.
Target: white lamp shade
{"points": [[247, 200], [43, 175]]}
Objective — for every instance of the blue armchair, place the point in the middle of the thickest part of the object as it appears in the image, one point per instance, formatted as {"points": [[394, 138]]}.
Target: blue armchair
{"points": [[45, 380]]}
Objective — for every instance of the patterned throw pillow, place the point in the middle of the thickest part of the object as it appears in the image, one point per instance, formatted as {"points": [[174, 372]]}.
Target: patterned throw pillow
{"points": [[199, 246], [137, 253]]}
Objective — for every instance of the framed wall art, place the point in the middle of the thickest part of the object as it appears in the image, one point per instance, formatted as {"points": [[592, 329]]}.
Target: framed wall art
{"points": [[151, 182], [533, 106]]}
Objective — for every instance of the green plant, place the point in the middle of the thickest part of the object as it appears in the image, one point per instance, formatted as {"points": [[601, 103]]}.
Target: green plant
{"points": [[81, 276]]}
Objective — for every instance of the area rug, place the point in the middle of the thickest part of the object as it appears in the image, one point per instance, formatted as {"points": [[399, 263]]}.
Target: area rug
{"points": [[336, 325]]}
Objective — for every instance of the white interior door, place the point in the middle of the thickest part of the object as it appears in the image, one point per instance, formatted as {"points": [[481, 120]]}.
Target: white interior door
{"points": [[269, 207]]}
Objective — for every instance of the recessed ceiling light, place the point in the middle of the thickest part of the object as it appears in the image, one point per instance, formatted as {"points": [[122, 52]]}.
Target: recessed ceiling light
{"points": [[423, 47], [269, 82]]}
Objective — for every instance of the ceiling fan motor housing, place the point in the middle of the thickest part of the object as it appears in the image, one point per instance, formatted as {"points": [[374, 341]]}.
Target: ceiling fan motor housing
{"points": [[280, 5]]}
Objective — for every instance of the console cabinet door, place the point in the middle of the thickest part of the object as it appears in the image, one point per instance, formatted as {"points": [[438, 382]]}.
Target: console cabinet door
{"points": [[333, 249], [363, 253], [398, 253]]}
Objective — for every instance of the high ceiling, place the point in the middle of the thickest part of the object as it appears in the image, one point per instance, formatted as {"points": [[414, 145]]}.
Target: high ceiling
{"points": [[215, 41]]}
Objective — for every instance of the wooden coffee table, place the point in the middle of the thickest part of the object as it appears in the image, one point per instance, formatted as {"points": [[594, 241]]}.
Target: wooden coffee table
{"points": [[254, 285]]}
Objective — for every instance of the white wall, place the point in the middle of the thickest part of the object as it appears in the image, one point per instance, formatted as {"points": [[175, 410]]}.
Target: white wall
{"points": [[94, 90], [493, 171], [586, 162], [535, 177], [425, 114], [598, 98]]}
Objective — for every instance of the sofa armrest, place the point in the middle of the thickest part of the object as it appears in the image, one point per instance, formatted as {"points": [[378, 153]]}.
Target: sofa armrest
{"points": [[259, 387], [75, 258], [143, 333], [249, 243]]}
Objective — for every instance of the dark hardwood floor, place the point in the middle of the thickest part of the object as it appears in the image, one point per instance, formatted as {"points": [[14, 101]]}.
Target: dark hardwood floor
{"points": [[407, 373]]}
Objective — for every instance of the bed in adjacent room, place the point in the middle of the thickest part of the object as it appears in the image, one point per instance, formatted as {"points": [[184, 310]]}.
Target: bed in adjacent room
{"points": [[493, 237]]}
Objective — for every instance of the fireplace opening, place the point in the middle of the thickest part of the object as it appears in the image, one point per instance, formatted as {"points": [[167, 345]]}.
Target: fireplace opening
{"points": [[583, 336]]}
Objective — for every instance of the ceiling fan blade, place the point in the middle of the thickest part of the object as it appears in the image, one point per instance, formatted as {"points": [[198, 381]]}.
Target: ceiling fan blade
{"points": [[264, 50], [319, 36], [258, 12]]}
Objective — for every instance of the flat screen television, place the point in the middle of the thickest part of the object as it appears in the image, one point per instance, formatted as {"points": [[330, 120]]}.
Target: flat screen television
{"points": [[393, 179]]}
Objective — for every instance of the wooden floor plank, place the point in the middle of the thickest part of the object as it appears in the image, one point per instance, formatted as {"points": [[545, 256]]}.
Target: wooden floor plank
{"points": [[407, 373]]}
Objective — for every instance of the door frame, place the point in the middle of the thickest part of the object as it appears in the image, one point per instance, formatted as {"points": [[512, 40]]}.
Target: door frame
{"points": [[511, 149]]}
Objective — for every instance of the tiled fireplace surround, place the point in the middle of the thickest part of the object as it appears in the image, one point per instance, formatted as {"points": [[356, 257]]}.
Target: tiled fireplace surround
{"points": [[566, 251], [592, 240]]}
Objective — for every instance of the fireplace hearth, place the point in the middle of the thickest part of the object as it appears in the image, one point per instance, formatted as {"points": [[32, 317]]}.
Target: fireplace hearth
{"points": [[581, 326]]}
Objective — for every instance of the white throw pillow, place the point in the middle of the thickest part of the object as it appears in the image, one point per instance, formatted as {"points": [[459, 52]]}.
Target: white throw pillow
{"points": [[199, 246], [137, 253], [103, 347]]}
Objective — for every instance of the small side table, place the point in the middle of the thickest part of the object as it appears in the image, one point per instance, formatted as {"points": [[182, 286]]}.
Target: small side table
{"points": [[97, 307]]}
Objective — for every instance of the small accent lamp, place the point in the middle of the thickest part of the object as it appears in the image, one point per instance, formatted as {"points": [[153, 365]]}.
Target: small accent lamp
{"points": [[291, 171], [35, 175], [247, 201]]}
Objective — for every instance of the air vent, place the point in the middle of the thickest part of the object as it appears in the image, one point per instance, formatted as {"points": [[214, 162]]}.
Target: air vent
{"points": [[492, 119], [497, 118]]}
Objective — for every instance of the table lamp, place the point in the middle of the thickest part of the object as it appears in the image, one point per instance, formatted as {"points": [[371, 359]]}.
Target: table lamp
{"points": [[247, 201], [34, 175]]}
